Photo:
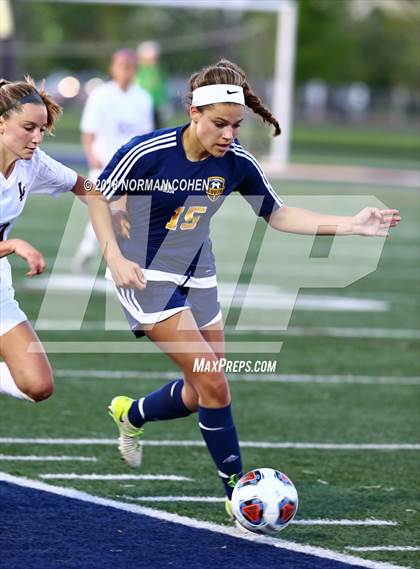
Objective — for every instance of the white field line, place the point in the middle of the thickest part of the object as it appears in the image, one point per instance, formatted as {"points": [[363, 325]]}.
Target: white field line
{"points": [[134, 347], [40, 458], [386, 548], [198, 443], [209, 499], [268, 377], [343, 174], [263, 297], [330, 332], [73, 476], [212, 499], [367, 522], [190, 522]]}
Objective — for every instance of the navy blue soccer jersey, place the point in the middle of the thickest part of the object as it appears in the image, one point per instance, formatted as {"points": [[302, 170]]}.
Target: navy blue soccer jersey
{"points": [[171, 200]]}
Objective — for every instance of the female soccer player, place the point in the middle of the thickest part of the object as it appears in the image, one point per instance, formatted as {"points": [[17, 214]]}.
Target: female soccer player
{"points": [[175, 180], [25, 115]]}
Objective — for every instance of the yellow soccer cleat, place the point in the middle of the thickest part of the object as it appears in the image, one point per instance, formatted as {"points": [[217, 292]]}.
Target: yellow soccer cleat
{"points": [[233, 480], [129, 443], [228, 509]]}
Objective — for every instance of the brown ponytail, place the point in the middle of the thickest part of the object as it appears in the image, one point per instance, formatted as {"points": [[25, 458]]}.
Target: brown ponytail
{"points": [[12, 91], [224, 71]]}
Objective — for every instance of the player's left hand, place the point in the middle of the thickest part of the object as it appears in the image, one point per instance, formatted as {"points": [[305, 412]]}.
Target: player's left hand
{"points": [[374, 222], [121, 223]]}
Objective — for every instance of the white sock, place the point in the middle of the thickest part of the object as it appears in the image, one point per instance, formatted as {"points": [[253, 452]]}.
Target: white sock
{"points": [[8, 386]]}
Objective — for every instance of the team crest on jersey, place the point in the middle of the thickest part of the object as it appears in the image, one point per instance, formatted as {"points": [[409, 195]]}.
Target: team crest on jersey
{"points": [[215, 187]]}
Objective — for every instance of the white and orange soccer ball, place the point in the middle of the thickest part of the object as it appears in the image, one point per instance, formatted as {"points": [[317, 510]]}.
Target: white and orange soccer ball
{"points": [[264, 501]]}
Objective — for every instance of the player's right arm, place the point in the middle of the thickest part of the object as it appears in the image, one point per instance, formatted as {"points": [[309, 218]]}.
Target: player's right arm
{"points": [[124, 166], [32, 256], [125, 273]]}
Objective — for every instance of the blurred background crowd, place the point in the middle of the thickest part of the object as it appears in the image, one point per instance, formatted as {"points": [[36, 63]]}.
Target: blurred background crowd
{"points": [[357, 61]]}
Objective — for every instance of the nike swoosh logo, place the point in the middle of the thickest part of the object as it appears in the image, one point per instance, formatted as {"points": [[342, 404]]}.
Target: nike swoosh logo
{"points": [[231, 92]]}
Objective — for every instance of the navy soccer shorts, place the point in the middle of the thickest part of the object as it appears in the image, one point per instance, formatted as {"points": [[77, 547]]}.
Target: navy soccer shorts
{"points": [[162, 299]]}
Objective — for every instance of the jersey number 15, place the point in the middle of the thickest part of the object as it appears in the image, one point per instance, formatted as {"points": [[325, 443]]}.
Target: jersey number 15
{"points": [[191, 218]]}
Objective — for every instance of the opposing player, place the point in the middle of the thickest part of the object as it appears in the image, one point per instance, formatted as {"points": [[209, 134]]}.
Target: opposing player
{"points": [[26, 114], [114, 112], [175, 181]]}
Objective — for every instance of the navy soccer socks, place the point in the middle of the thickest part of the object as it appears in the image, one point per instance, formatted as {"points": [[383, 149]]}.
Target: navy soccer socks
{"points": [[216, 425], [160, 405], [219, 433]]}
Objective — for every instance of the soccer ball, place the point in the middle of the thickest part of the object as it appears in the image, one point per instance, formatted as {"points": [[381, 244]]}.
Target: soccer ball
{"points": [[264, 501]]}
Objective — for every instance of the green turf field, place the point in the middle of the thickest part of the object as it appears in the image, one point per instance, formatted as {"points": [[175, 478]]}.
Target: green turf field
{"points": [[372, 399]]}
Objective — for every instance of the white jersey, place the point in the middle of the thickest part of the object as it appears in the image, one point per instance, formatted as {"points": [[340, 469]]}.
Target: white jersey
{"points": [[39, 175], [115, 116]]}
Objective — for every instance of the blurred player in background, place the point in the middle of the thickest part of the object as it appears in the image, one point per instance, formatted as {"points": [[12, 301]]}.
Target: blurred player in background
{"points": [[114, 112], [26, 114], [175, 181], [152, 77]]}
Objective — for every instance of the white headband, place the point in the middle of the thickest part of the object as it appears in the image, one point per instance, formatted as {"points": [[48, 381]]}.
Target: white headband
{"points": [[210, 94]]}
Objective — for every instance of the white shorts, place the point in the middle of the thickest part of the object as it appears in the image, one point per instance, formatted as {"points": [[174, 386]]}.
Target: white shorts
{"points": [[10, 313]]}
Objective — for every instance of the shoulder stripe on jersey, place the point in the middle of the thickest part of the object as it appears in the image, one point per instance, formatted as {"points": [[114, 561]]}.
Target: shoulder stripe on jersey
{"points": [[109, 189], [112, 186], [239, 151], [146, 144], [155, 140], [252, 158], [114, 182], [170, 136]]}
